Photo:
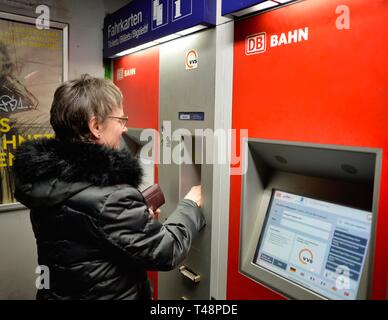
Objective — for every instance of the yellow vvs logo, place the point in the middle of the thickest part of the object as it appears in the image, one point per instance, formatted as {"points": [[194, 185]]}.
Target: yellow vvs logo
{"points": [[306, 256]]}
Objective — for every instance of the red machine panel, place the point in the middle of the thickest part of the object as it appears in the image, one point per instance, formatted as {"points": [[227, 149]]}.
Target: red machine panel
{"points": [[137, 76], [314, 72]]}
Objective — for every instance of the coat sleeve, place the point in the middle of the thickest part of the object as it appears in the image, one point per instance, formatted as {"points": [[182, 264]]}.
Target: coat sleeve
{"points": [[142, 240]]}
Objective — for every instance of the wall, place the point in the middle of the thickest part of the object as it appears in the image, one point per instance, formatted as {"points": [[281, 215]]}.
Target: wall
{"points": [[17, 256], [85, 19]]}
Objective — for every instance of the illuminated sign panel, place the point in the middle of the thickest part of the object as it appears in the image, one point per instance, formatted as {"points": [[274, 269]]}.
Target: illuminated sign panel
{"points": [[144, 21]]}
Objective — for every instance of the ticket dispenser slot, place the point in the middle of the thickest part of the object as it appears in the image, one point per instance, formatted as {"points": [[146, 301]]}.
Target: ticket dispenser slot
{"points": [[192, 150], [131, 141], [195, 278], [191, 278], [308, 218], [190, 168]]}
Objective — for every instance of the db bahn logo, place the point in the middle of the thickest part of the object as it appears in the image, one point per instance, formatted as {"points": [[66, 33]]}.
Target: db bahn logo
{"points": [[256, 43], [123, 73], [306, 256], [259, 42]]}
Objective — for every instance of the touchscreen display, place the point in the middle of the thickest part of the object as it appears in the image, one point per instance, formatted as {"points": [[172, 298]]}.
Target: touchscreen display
{"points": [[316, 244]]}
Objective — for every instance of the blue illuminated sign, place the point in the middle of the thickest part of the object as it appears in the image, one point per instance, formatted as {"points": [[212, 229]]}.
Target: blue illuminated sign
{"points": [[142, 21], [230, 6]]}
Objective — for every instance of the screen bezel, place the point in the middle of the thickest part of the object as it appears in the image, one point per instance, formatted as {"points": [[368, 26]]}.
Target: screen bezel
{"points": [[272, 192]]}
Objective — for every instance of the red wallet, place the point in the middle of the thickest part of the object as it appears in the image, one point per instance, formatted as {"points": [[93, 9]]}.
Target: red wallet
{"points": [[154, 197]]}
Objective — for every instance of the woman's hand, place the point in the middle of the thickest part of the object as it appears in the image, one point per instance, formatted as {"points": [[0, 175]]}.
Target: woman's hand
{"points": [[195, 194], [154, 214]]}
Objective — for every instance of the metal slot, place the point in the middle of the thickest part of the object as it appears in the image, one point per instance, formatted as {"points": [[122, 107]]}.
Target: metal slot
{"points": [[189, 274], [191, 166]]}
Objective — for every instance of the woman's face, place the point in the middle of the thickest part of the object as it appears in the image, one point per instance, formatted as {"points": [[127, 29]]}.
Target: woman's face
{"points": [[112, 129]]}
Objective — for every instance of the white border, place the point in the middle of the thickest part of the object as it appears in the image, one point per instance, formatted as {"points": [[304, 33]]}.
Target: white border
{"points": [[53, 24], [181, 17], [221, 173], [152, 16], [6, 207]]}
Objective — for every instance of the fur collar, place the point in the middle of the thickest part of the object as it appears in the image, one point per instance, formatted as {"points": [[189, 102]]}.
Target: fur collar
{"points": [[47, 159]]}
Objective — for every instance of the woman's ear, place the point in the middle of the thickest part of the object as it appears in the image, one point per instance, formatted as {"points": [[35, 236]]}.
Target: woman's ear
{"points": [[95, 128]]}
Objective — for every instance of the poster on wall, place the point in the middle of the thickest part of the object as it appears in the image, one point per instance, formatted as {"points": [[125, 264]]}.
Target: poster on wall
{"points": [[33, 63]]}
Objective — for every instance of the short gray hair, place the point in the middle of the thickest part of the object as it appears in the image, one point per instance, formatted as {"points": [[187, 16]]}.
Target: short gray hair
{"points": [[77, 101]]}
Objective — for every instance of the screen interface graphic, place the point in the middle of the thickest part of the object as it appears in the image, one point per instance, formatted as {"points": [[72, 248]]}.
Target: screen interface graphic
{"points": [[318, 245]]}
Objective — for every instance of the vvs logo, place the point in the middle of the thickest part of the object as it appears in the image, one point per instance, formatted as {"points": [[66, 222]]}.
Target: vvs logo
{"points": [[191, 59], [306, 256]]}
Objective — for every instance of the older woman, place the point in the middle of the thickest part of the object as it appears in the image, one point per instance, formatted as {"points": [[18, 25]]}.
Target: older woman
{"points": [[93, 229]]}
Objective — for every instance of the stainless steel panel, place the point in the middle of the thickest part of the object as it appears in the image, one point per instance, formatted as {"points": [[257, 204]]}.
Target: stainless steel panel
{"points": [[184, 90]]}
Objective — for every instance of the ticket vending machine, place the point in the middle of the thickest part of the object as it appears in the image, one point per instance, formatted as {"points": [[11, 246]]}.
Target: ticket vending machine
{"points": [[137, 76], [308, 218], [187, 103], [133, 142], [163, 92]]}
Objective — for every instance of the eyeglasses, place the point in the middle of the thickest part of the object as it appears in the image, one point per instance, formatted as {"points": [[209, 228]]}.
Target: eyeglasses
{"points": [[123, 119]]}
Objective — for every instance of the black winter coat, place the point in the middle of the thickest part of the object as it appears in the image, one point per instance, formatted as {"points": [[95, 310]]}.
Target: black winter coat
{"points": [[92, 228]]}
